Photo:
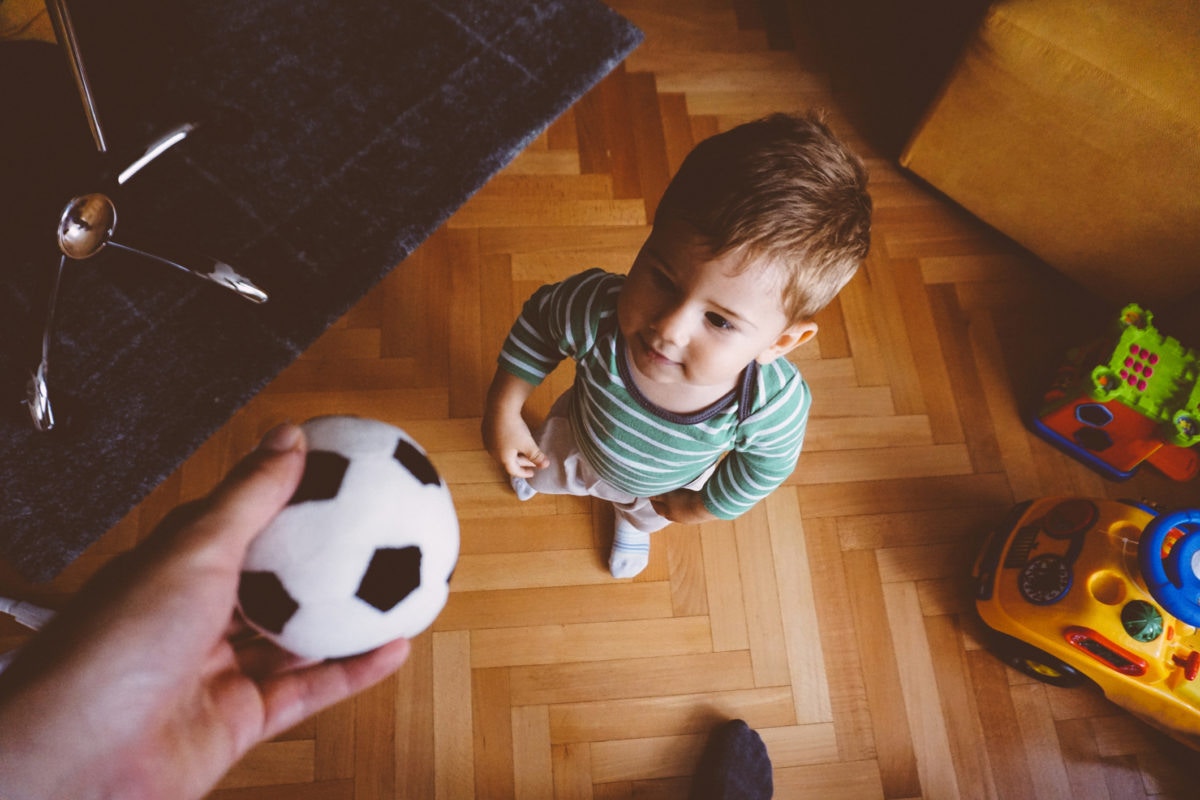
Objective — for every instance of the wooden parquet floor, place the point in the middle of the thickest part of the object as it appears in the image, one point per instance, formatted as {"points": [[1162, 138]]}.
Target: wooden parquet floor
{"points": [[835, 617]]}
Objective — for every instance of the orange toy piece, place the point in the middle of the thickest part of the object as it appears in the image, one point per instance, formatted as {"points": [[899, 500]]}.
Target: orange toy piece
{"points": [[1116, 405]]}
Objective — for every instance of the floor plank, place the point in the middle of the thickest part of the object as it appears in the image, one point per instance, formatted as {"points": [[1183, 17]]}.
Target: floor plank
{"points": [[835, 617]]}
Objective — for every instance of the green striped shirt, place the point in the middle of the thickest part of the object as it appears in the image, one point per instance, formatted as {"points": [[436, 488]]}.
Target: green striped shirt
{"points": [[637, 446]]}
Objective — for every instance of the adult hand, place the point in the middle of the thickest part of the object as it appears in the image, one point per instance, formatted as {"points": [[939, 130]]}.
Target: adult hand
{"points": [[135, 690]]}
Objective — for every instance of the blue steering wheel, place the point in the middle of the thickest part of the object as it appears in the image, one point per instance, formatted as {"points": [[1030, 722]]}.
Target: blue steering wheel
{"points": [[1174, 581]]}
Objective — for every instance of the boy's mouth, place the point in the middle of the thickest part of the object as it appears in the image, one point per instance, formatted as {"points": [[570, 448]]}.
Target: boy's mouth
{"points": [[656, 356]]}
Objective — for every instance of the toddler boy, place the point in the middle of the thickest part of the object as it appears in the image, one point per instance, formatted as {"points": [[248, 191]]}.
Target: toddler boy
{"points": [[683, 407]]}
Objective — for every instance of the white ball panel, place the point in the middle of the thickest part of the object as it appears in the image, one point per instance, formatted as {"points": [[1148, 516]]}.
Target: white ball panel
{"points": [[320, 550]]}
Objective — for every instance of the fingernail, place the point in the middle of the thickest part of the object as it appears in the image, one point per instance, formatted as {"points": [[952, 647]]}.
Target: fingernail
{"points": [[281, 438]]}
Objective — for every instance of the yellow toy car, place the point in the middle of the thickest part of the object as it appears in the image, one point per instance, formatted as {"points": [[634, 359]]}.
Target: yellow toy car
{"points": [[1074, 591]]}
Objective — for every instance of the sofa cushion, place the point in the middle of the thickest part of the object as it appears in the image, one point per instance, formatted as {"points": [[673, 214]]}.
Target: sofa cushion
{"points": [[1073, 127]]}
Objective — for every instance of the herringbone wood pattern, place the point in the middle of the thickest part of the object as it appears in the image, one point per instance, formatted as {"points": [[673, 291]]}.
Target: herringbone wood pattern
{"points": [[835, 617]]}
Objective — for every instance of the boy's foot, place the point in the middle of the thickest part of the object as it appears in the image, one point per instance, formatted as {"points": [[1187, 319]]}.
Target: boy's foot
{"points": [[630, 552], [522, 488]]}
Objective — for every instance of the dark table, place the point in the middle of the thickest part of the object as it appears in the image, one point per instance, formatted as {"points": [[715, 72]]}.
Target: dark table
{"points": [[332, 139]]}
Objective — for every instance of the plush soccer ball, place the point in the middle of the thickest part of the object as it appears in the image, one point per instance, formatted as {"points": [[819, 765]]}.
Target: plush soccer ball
{"points": [[364, 550]]}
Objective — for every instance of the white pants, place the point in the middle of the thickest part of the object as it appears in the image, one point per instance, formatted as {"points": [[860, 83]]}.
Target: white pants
{"points": [[570, 473]]}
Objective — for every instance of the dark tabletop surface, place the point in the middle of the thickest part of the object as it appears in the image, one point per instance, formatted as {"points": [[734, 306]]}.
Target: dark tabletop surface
{"points": [[331, 140]]}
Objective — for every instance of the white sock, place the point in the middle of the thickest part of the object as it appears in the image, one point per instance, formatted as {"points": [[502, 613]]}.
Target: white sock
{"points": [[630, 551], [522, 488]]}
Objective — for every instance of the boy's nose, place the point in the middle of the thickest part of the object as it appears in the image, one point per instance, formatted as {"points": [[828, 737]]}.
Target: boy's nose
{"points": [[672, 325]]}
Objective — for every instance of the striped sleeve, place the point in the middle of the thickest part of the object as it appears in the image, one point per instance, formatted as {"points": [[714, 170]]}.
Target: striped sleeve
{"points": [[767, 447], [558, 321]]}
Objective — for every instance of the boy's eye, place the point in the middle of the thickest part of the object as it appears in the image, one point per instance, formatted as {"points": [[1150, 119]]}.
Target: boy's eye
{"points": [[717, 321]]}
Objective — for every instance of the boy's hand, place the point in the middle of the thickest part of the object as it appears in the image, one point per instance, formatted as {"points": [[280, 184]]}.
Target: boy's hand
{"points": [[512, 444], [682, 505], [505, 434]]}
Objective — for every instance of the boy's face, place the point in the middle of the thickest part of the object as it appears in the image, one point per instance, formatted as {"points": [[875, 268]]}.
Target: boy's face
{"points": [[696, 320]]}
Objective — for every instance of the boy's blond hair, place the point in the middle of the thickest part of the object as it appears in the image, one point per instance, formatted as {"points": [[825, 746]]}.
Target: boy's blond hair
{"points": [[785, 189]]}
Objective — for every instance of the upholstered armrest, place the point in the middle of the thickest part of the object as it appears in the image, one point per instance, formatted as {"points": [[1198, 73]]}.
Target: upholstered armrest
{"points": [[25, 19], [1073, 127]]}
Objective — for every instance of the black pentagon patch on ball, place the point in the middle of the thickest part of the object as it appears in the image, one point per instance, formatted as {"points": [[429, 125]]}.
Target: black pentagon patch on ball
{"points": [[323, 473], [393, 574], [415, 462], [265, 601]]}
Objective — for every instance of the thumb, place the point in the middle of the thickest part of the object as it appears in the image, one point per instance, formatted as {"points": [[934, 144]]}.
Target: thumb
{"points": [[538, 457], [251, 495]]}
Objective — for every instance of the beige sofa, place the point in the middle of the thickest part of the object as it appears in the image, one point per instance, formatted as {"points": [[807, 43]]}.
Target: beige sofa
{"points": [[25, 19], [1073, 126]]}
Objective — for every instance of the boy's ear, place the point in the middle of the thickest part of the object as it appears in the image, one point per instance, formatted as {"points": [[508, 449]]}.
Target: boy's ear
{"points": [[792, 337]]}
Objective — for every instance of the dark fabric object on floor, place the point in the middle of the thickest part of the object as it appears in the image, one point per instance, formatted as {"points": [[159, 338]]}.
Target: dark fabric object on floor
{"points": [[734, 766], [332, 139]]}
